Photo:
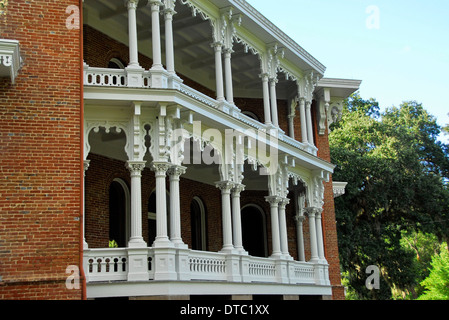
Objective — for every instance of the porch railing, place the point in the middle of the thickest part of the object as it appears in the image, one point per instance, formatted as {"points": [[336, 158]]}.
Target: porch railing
{"points": [[105, 77], [109, 265]]}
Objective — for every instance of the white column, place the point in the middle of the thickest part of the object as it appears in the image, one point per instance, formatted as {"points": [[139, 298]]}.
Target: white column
{"points": [[283, 228], [136, 239], [86, 166], [237, 217], [300, 237], [160, 169], [319, 234], [312, 231], [156, 34], [169, 46], [132, 27], [175, 210], [302, 115], [266, 98], [225, 187], [309, 122], [275, 237], [219, 70], [228, 76], [291, 126], [274, 104]]}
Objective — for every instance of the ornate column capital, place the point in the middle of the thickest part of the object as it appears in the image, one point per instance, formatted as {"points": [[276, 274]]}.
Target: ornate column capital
{"points": [[273, 200], [135, 167], [217, 45], [284, 202], [225, 186], [155, 4], [160, 168], [238, 188], [176, 171], [131, 4], [313, 211]]}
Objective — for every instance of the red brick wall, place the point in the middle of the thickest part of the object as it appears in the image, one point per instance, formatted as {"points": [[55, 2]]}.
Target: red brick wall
{"points": [[329, 220], [40, 152]]}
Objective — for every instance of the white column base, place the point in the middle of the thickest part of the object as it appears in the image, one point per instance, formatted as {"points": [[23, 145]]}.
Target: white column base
{"points": [[165, 264], [138, 265], [134, 76], [159, 78]]}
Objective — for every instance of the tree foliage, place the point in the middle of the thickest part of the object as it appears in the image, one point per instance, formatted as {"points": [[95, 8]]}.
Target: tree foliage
{"points": [[396, 171], [437, 283]]}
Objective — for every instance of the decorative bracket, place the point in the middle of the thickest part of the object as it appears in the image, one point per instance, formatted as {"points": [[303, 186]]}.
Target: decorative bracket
{"points": [[10, 60]]}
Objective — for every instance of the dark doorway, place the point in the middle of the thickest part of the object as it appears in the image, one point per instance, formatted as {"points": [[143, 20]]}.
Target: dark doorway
{"points": [[117, 214], [254, 231], [197, 220]]}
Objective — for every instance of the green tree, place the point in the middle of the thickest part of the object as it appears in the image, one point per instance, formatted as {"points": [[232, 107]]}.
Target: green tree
{"points": [[446, 128], [395, 169], [437, 283]]}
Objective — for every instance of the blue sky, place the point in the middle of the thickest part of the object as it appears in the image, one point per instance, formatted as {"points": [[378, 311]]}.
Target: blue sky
{"points": [[399, 48]]}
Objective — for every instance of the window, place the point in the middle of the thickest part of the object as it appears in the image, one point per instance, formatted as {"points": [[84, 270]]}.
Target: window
{"points": [[116, 63], [119, 212], [198, 224]]}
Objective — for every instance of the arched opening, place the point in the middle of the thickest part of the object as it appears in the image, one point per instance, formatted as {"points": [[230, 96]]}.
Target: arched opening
{"points": [[119, 204], [198, 224], [254, 231]]}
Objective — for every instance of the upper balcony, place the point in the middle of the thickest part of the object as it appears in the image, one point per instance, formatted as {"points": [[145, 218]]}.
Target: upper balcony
{"points": [[213, 57]]}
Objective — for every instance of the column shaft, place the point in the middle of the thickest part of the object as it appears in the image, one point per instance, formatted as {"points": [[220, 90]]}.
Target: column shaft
{"points": [[319, 234], [236, 217], [274, 104], [169, 46], [219, 71], [228, 76], [225, 188], [309, 122], [302, 116], [283, 227], [266, 99], [132, 27], [175, 208], [313, 236], [136, 239], [160, 170], [156, 34], [275, 237]]}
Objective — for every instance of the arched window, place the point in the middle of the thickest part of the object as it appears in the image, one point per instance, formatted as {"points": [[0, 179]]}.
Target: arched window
{"points": [[198, 224], [254, 231], [119, 212], [116, 63], [250, 114]]}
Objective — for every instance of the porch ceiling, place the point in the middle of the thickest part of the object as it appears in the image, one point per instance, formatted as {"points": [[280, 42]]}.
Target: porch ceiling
{"points": [[194, 56]]}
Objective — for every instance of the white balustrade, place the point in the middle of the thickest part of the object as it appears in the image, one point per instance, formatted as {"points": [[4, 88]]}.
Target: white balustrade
{"points": [[207, 266], [105, 77], [106, 265]]}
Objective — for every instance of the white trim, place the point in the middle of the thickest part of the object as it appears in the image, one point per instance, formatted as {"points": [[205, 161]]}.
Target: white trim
{"points": [[10, 60], [147, 289]]}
